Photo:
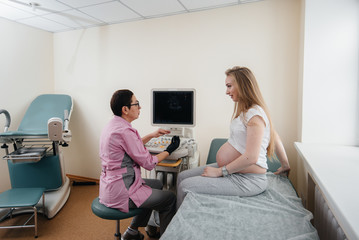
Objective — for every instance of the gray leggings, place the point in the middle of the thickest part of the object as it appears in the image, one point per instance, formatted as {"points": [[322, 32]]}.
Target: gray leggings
{"points": [[162, 201], [236, 184]]}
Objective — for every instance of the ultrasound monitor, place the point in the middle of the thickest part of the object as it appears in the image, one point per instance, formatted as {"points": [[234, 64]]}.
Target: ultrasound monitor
{"points": [[173, 108]]}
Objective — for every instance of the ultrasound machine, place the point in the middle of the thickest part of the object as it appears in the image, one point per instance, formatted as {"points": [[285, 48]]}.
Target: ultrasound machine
{"points": [[174, 110]]}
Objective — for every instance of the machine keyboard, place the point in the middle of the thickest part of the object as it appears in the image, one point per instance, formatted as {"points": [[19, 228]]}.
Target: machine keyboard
{"points": [[158, 145]]}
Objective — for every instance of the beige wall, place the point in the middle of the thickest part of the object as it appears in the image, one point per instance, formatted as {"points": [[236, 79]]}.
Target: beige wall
{"points": [[190, 50], [26, 71]]}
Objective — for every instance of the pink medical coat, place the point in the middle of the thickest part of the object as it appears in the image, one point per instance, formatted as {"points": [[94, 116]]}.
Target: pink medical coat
{"points": [[117, 139]]}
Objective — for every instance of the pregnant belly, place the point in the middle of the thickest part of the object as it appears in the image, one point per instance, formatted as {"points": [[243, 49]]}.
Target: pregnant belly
{"points": [[227, 153]]}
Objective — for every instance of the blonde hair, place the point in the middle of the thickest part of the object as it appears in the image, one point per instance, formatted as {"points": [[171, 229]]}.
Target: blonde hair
{"points": [[249, 95]]}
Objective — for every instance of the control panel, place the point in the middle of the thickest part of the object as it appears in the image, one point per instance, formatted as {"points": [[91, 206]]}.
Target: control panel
{"points": [[186, 148]]}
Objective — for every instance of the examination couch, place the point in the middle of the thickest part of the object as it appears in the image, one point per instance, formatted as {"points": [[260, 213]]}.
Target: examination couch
{"points": [[275, 214]]}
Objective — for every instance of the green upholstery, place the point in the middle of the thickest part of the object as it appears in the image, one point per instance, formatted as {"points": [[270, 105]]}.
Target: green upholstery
{"points": [[213, 149], [24, 198], [45, 173], [104, 212], [273, 163], [42, 108], [20, 197]]}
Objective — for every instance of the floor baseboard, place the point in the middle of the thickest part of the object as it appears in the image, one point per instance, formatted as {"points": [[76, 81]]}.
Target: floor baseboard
{"points": [[75, 178]]}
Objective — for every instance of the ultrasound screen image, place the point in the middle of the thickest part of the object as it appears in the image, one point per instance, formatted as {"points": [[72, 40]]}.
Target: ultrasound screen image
{"points": [[173, 107]]}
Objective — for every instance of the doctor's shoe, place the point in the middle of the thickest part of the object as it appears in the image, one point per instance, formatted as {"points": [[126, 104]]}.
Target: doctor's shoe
{"points": [[152, 231], [128, 236]]}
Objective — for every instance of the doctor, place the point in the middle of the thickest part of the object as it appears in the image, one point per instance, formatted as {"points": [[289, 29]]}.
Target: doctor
{"points": [[122, 153]]}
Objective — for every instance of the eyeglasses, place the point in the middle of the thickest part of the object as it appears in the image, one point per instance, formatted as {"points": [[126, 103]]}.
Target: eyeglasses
{"points": [[135, 104]]}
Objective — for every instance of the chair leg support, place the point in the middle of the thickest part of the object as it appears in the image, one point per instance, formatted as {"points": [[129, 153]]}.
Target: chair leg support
{"points": [[43, 205], [20, 195], [117, 234], [7, 215], [35, 219]]}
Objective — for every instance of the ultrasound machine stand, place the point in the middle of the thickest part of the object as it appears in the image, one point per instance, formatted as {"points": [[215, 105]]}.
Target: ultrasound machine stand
{"points": [[167, 170], [172, 109]]}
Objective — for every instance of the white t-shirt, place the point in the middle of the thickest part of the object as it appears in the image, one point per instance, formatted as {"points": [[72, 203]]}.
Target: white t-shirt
{"points": [[238, 133]]}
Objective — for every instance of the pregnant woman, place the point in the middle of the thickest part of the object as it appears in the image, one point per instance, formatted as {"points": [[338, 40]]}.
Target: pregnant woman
{"points": [[242, 161]]}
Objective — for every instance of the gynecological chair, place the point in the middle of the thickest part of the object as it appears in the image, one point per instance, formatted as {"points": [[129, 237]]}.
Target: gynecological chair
{"points": [[36, 164]]}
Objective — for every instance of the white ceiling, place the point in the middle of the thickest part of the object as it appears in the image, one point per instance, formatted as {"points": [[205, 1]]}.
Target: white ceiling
{"points": [[65, 15]]}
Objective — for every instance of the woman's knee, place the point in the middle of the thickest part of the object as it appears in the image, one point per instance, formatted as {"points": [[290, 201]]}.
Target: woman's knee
{"points": [[181, 176], [193, 172], [187, 184]]}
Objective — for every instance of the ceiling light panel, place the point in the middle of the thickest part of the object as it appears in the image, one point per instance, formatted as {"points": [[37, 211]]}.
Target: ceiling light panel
{"points": [[111, 12], [44, 6], [82, 3], [248, 1], [12, 13], [44, 24], [206, 4], [151, 8], [73, 18]]}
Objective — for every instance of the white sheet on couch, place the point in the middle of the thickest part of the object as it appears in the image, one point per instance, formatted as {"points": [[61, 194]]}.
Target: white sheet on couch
{"points": [[274, 214]]}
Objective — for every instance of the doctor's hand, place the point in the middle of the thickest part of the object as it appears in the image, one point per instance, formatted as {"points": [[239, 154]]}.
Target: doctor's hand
{"points": [[175, 142], [212, 172], [160, 132]]}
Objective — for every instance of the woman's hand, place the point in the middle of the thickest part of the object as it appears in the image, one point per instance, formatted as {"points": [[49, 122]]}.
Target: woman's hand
{"points": [[284, 170], [282, 156], [160, 132], [212, 172]]}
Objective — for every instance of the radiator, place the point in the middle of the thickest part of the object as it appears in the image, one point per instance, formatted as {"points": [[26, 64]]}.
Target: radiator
{"points": [[324, 220]]}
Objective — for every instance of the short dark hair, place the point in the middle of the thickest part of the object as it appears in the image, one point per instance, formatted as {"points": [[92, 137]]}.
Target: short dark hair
{"points": [[119, 99]]}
